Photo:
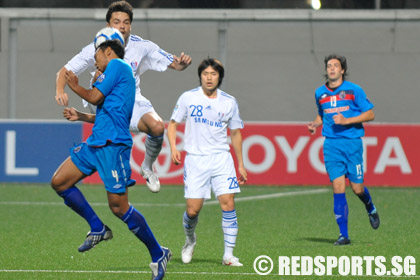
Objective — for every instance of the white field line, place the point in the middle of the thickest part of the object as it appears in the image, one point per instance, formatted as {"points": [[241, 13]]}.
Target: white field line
{"points": [[176, 272], [238, 199]]}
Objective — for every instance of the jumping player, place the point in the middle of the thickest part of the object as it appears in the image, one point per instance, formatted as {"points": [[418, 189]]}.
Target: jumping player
{"points": [[141, 55]]}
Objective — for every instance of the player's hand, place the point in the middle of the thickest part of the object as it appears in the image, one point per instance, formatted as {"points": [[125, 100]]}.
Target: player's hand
{"points": [[71, 114], [62, 99], [71, 79], [312, 127], [339, 119], [176, 157], [182, 61], [243, 176]]}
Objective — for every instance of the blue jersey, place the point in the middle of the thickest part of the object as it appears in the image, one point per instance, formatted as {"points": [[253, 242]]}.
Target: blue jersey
{"points": [[113, 115], [350, 100]]}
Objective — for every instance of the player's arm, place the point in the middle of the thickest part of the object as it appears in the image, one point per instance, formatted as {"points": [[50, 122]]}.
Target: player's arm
{"points": [[236, 137], [175, 154], [314, 124], [72, 114], [93, 96], [181, 62], [367, 116], [60, 96]]}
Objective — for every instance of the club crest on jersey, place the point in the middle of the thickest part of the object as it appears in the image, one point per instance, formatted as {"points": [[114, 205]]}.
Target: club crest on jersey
{"points": [[101, 78], [133, 65], [342, 94]]}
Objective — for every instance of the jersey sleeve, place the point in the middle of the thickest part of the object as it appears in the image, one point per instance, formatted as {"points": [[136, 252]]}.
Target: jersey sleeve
{"points": [[82, 61], [180, 111], [156, 59], [236, 121], [106, 82], [362, 101]]}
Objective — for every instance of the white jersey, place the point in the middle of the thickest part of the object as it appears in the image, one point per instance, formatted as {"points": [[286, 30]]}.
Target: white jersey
{"points": [[140, 54], [207, 120]]}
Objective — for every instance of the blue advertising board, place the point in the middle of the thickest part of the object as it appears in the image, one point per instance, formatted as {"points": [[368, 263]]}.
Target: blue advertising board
{"points": [[31, 151]]}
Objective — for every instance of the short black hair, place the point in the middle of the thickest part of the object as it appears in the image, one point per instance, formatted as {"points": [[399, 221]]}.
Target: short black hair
{"points": [[115, 45], [343, 62], [120, 6], [215, 64]]}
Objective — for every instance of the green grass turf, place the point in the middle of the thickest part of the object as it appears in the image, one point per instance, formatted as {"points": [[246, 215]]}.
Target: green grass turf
{"points": [[39, 235]]}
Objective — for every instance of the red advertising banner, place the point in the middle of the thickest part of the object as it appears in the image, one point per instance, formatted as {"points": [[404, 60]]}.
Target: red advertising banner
{"points": [[286, 154]]}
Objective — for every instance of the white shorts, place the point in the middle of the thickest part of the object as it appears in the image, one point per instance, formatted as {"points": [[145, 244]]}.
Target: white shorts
{"points": [[213, 172], [142, 106]]}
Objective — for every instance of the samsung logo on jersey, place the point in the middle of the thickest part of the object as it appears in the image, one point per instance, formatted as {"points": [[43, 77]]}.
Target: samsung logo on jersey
{"points": [[206, 121]]}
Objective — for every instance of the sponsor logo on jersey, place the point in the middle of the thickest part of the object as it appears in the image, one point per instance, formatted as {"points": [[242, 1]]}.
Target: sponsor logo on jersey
{"points": [[336, 110], [324, 95], [208, 107]]}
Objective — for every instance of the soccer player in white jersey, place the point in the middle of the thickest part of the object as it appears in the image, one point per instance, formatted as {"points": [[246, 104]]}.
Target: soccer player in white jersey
{"points": [[141, 55], [208, 113]]}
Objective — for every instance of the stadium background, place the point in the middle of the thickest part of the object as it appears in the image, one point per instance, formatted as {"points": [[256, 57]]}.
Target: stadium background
{"points": [[273, 60]]}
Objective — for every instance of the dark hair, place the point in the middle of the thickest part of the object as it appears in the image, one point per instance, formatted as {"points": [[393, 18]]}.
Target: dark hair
{"points": [[120, 6], [215, 64], [343, 62], [115, 45]]}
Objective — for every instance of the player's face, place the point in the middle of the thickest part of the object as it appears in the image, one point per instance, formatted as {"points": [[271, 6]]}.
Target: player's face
{"points": [[334, 70], [209, 79], [121, 21], [101, 61]]}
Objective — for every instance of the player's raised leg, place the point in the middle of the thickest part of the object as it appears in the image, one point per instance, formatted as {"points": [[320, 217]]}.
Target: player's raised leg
{"points": [[152, 124], [363, 193]]}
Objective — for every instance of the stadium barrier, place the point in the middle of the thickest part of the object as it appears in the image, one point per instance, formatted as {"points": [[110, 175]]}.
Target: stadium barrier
{"points": [[275, 153]]}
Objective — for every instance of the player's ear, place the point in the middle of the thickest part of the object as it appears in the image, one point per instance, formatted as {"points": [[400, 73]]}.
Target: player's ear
{"points": [[108, 51]]}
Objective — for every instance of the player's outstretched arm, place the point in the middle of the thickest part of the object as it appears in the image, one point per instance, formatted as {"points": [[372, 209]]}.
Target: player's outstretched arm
{"points": [[175, 154], [181, 62], [72, 114], [236, 138], [60, 96]]}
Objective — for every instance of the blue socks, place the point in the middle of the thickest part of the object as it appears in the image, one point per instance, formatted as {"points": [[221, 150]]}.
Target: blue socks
{"points": [[74, 199], [138, 225], [367, 200], [341, 211]]}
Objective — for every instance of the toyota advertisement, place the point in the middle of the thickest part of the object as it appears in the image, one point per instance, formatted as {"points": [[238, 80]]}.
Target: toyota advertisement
{"points": [[275, 153]]}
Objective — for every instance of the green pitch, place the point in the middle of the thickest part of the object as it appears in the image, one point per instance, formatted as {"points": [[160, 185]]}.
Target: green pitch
{"points": [[39, 235]]}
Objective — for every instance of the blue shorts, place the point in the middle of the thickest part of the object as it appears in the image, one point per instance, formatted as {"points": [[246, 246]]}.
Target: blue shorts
{"points": [[344, 156], [112, 162]]}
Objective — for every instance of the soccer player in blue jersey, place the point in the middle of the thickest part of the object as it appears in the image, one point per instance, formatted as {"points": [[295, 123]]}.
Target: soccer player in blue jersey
{"points": [[342, 109], [107, 151]]}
